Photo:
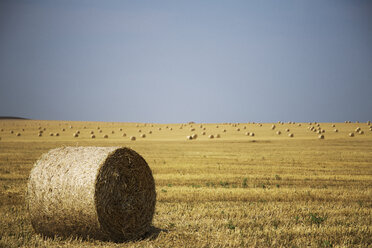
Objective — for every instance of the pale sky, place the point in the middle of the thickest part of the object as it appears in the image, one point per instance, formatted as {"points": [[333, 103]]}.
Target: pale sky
{"points": [[179, 61]]}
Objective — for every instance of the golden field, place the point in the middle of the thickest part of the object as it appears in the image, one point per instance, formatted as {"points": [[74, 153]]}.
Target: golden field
{"points": [[268, 190]]}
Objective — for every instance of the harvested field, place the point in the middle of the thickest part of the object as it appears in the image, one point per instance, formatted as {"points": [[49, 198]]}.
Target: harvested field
{"points": [[266, 190]]}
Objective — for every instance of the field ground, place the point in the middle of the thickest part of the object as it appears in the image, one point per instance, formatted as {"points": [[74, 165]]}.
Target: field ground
{"points": [[268, 190]]}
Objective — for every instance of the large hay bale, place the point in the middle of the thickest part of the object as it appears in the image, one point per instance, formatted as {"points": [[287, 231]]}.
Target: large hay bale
{"points": [[106, 193]]}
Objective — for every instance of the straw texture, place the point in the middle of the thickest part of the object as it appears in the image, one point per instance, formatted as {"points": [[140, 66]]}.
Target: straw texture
{"points": [[105, 193]]}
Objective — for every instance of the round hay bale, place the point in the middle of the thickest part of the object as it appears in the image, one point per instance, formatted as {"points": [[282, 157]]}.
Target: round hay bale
{"points": [[171, 129], [194, 136], [150, 132], [63, 129], [361, 132], [245, 127], [18, 134], [77, 131], [278, 133], [120, 129], [93, 136], [70, 127], [85, 127], [251, 134], [357, 129], [299, 124], [100, 131], [287, 130], [133, 138], [291, 135], [218, 136], [224, 130], [106, 193], [11, 131], [192, 129], [57, 134], [211, 136], [238, 129], [336, 130], [139, 130], [124, 134], [189, 137], [143, 135], [40, 134], [159, 128], [105, 136], [247, 133], [98, 128], [321, 136], [51, 134], [75, 135], [112, 132], [91, 132], [351, 134], [203, 133], [333, 125], [273, 127]]}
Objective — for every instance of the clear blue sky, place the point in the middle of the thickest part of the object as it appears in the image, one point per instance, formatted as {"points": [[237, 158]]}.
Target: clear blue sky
{"points": [[173, 61]]}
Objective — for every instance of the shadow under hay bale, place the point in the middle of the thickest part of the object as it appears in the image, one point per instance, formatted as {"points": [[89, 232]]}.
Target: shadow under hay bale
{"points": [[105, 193]]}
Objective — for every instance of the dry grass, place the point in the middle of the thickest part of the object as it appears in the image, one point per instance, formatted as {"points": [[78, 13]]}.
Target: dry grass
{"points": [[237, 191]]}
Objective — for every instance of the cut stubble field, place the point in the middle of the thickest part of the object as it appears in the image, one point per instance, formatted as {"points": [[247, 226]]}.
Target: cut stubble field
{"points": [[266, 190]]}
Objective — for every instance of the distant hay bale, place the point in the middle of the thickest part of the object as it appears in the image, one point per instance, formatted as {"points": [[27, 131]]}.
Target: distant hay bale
{"points": [[171, 129], [203, 133], [194, 136], [159, 128], [11, 131], [112, 132], [323, 131], [336, 130], [211, 136], [120, 129], [40, 134], [357, 129], [333, 125], [192, 129], [189, 137], [51, 134], [218, 136], [70, 127], [139, 130], [238, 129], [133, 138], [291, 135], [247, 133], [91, 132], [273, 127], [251, 134], [321, 136], [143, 135], [150, 132], [361, 132], [98, 128], [100, 131], [224, 130], [18, 134], [77, 131], [351, 134], [85, 127], [57, 134], [287, 130], [63, 129], [299, 124], [106, 193], [124, 135], [93, 136], [278, 133], [75, 135], [137, 125], [217, 126], [105, 136]]}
